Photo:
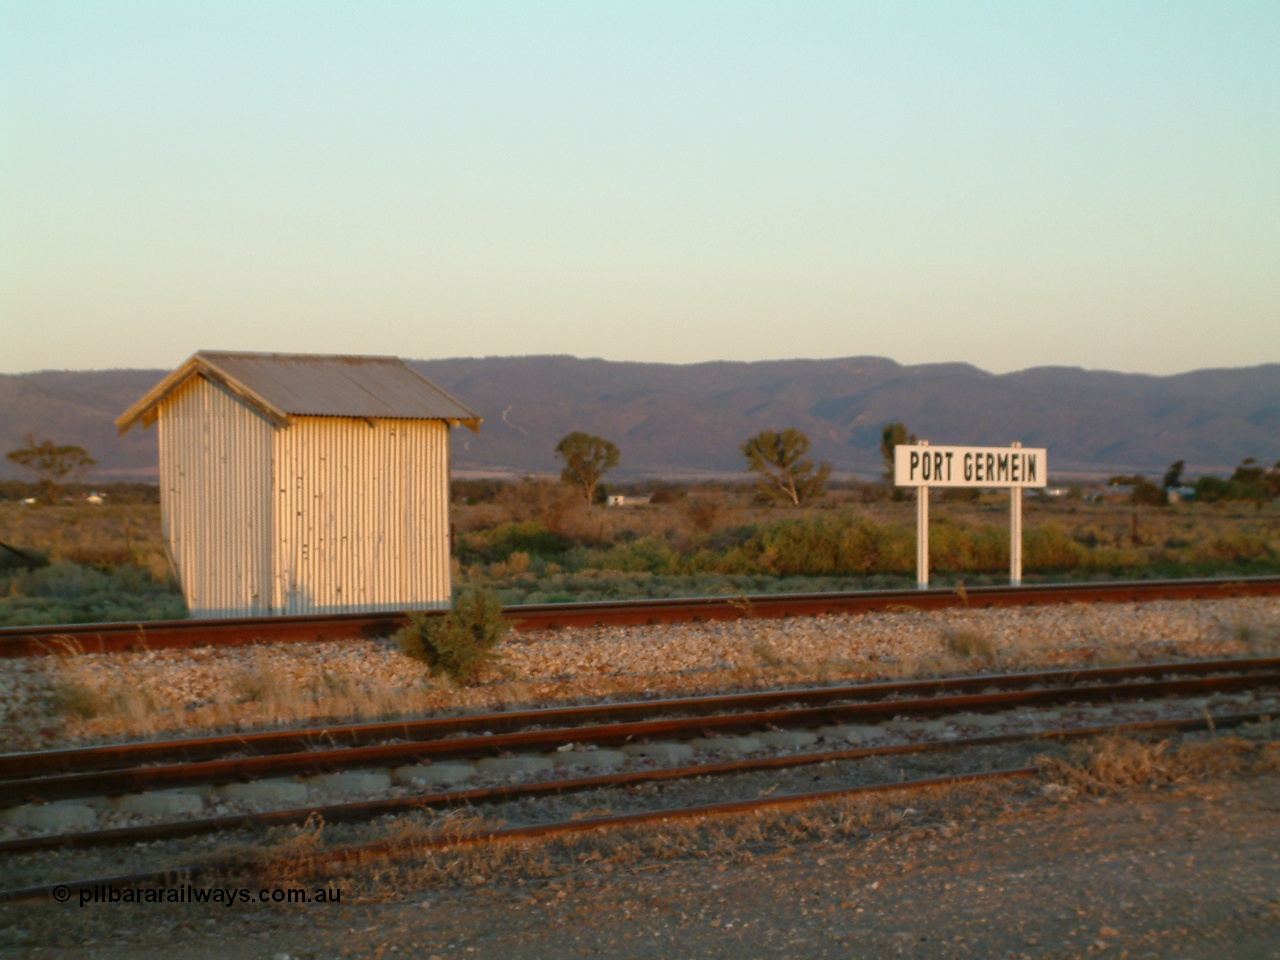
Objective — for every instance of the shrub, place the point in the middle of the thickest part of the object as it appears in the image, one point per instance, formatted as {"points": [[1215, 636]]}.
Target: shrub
{"points": [[969, 643], [1050, 547], [459, 643], [647, 555], [498, 543], [706, 512]]}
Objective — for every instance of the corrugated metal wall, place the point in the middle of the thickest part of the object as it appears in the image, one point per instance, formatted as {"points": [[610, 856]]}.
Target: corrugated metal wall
{"points": [[361, 515], [215, 482]]}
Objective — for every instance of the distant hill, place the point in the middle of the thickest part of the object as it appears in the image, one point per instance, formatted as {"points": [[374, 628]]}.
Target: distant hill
{"points": [[689, 420]]}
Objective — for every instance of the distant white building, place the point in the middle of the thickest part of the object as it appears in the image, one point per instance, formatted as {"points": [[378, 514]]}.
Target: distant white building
{"points": [[618, 500], [294, 484]]}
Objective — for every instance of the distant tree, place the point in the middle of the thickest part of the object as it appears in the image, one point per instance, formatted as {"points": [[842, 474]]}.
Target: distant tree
{"points": [[53, 464], [1146, 492], [1173, 476], [784, 472], [1212, 489], [1249, 471], [1250, 481], [586, 460], [894, 434]]}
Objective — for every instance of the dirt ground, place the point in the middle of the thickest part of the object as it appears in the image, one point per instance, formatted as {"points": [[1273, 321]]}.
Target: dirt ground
{"points": [[1191, 873]]}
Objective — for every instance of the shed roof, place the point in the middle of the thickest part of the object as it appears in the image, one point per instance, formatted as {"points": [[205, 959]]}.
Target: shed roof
{"points": [[285, 385]]}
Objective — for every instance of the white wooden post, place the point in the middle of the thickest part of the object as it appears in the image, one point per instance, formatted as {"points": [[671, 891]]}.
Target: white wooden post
{"points": [[922, 534], [1015, 534]]}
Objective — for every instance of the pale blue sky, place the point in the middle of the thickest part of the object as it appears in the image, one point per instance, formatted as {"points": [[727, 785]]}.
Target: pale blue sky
{"points": [[1008, 184]]}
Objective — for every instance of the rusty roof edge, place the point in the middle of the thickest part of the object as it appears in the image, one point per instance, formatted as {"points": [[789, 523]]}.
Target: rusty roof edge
{"points": [[142, 407], [195, 365]]}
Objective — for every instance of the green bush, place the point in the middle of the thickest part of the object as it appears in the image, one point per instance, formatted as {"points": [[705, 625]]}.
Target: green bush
{"points": [[500, 542], [68, 593], [1050, 547], [647, 555], [459, 643]]}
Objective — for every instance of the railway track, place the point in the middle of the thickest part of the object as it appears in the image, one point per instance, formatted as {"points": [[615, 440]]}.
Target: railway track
{"points": [[178, 634], [654, 741], [367, 851]]}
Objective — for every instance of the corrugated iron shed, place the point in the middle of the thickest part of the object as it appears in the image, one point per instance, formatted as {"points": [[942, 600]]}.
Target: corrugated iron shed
{"points": [[303, 484], [284, 385]]}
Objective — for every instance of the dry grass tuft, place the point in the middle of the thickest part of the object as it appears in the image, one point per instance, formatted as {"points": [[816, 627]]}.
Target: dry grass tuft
{"points": [[735, 838], [968, 643], [1254, 639], [1116, 764], [76, 700], [767, 654], [1268, 760]]}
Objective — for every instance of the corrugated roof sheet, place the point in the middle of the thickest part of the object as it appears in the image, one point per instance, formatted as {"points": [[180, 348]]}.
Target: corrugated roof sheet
{"points": [[283, 385]]}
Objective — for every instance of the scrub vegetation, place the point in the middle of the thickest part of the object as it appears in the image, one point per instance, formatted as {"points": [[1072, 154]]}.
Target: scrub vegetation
{"points": [[80, 562], [533, 542], [539, 541]]}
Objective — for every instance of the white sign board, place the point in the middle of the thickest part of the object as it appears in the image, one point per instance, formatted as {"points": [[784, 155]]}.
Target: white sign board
{"points": [[929, 466]]}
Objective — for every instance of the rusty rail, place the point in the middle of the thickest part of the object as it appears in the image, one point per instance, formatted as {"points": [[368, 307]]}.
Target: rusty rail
{"points": [[363, 810], [167, 634], [187, 874], [45, 763], [310, 762]]}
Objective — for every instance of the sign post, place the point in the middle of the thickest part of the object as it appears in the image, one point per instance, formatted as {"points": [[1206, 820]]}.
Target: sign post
{"points": [[1015, 533], [922, 534], [922, 466]]}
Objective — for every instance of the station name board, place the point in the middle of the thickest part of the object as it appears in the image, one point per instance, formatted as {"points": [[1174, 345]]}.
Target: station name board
{"points": [[930, 466]]}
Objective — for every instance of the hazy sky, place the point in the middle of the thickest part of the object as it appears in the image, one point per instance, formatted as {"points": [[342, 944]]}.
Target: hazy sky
{"points": [[1009, 184]]}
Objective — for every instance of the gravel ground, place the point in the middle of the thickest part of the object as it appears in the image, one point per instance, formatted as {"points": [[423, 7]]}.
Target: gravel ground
{"points": [[1191, 872], [55, 701], [67, 865]]}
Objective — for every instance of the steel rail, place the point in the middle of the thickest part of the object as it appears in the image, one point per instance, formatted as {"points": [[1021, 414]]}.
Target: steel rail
{"points": [[24, 765], [359, 852], [173, 876], [114, 782], [170, 634], [358, 811]]}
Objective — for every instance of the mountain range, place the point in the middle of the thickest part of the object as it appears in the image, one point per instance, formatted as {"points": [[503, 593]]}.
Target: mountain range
{"points": [[688, 421]]}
